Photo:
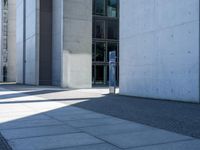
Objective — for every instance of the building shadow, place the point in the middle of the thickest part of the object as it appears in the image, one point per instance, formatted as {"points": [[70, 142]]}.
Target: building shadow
{"points": [[182, 118]]}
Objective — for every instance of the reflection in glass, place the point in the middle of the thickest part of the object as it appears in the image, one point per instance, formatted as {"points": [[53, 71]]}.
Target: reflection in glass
{"points": [[101, 74], [100, 29], [111, 47], [113, 30], [100, 51], [99, 7], [93, 52], [112, 8]]}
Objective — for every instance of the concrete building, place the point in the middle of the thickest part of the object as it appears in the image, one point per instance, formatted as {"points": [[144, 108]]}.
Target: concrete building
{"points": [[159, 49], [67, 42], [7, 41], [54, 41], [55, 38]]}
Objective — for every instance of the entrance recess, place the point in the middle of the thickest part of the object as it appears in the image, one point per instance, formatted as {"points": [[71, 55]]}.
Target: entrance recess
{"points": [[105, 39]]}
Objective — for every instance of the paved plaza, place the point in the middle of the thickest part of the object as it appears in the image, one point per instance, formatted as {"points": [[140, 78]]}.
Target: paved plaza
{"points": [[38, 118]]}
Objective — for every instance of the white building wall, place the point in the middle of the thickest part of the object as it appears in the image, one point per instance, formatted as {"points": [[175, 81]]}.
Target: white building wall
{"points": [[76, 65], [32, 42], [1, 65], [159, 49], [11, 73], [57, 17], [19, 40]]}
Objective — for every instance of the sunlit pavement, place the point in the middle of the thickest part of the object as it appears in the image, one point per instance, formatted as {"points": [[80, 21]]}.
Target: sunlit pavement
{"points": [[46, 118]]}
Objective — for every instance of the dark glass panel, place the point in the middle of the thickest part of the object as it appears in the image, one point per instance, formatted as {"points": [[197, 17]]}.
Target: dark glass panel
{"points": [[93, 74], [111, 47], [99, 7], [100, 28], [101, 74], [93, 52], [113, 31], [100, 51], [112, 8]]}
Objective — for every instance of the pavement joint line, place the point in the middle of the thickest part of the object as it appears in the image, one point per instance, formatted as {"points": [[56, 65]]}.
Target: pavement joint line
{"points": [[124, 132], [4, 143], [83, 145], [47, 135], [97, 125], [64, 122], [29, 127], [104, 140], [163, 143], [91, 134]]}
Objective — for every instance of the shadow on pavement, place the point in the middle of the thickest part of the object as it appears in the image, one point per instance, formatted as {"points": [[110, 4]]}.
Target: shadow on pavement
{"points": [[183, 118]]}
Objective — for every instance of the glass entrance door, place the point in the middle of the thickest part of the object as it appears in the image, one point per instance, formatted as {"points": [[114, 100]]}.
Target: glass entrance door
{"points": [[105, 39]]}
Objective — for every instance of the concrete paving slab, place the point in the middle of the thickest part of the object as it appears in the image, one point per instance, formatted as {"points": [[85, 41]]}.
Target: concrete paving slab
{"points": [[27, 118], [103, 146], [145, 138], [37, 131], [95, 122], [80, 116], [66, 112], [54, 142], [14, 108], [184, 145], [27, 124], [116, 129], [45, 105], [14, 118]]}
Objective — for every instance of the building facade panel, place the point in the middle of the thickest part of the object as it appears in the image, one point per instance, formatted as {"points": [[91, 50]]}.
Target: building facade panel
{"points": [[32, 42], [20, 41], [159, 49], [57, 15], [77, 44], [8, 40]]}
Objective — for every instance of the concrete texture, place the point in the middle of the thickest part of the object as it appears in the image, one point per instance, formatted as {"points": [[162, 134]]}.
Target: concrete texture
{"points": [[3, 144], [138, 139], [184, 145], [11, 77], [77, 44], [32, 42], [159, 49], [57, 41], [28, 42], [67, 60], [35, 124], [1, 64], [8, 53], [20, 42]]}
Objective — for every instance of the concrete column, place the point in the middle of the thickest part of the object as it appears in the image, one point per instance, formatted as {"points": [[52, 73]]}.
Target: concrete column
{"points": [[1, 64], [19, 40], [11, 72], [72, 43], [57, 40], [32, 42], [77, 44]]}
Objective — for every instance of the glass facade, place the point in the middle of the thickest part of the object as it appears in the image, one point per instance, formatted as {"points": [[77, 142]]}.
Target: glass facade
{"points": [[105, 39]]}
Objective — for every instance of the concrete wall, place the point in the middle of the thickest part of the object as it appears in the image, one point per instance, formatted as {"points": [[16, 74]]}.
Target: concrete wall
{"points": [[77, 44], [11, 41], [32, 42], [71, 43], [159, 49], [1, 71], [19, 40], [57, 17]]}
